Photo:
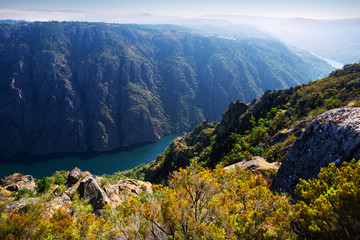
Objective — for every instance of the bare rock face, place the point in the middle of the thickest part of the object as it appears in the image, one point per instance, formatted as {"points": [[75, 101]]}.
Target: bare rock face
{"points": [[332, 137]]}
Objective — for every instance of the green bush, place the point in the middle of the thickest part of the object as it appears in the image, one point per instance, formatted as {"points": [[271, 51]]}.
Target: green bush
{"points": [[23, 193], [256, 151], [43, 185], [330, 208]]}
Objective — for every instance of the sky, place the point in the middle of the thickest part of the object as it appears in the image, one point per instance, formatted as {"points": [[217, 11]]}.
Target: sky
{"points": [[107, 10]]}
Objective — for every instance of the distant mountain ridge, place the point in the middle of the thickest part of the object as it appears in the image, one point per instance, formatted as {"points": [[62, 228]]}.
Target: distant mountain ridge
{"points": [[74, 87]]}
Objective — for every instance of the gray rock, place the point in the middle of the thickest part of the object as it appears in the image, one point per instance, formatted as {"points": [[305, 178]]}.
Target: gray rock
{"points": [[90, 189], [61, 201], [134, 188], [332, 137], [74, 176]]}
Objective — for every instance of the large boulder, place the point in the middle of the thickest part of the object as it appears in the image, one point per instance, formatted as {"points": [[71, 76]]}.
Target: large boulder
{"points": [[332, 137], [257, 165], [90, 189], [74, 176]]}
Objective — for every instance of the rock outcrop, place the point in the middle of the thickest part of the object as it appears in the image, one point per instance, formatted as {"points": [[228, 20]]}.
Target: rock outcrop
{"points": [[134, 187], [96, 190], [17, 181], [99, 192], [60, 201], [256, 164], [333, 137], [231, 118]]}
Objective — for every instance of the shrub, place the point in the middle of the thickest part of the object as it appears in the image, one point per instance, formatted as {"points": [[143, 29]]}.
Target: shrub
{"points": [[331, 205], [22, 193], [42, 185]]}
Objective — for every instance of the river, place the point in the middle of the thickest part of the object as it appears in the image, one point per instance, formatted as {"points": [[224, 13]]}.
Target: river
{"points": [[104, 163]]}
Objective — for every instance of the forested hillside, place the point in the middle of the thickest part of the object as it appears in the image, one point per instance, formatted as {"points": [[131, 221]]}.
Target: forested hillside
{"points": [[267, 127], [77, 87]]}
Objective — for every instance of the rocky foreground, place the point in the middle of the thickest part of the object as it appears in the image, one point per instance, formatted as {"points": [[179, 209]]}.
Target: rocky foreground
{"points": [[197, 201], [96, 190]]}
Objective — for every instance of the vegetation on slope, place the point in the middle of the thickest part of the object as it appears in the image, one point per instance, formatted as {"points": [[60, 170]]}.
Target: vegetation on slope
{"points": [[200, 203], [266, 127]]}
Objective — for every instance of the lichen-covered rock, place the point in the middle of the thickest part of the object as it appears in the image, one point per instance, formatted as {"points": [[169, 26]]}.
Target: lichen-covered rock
{"points": [[16, 206], [97, 190], [332, 137], [17, 181], [255, 164], [134, 187], [61, 201]]}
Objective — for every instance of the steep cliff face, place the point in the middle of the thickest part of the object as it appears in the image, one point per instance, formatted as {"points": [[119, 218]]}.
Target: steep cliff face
{"points": [[332, 137], [68, 87], [231, 118]]}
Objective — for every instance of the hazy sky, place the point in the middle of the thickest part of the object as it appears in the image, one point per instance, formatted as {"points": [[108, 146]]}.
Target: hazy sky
{"points": [[98, 10]]}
